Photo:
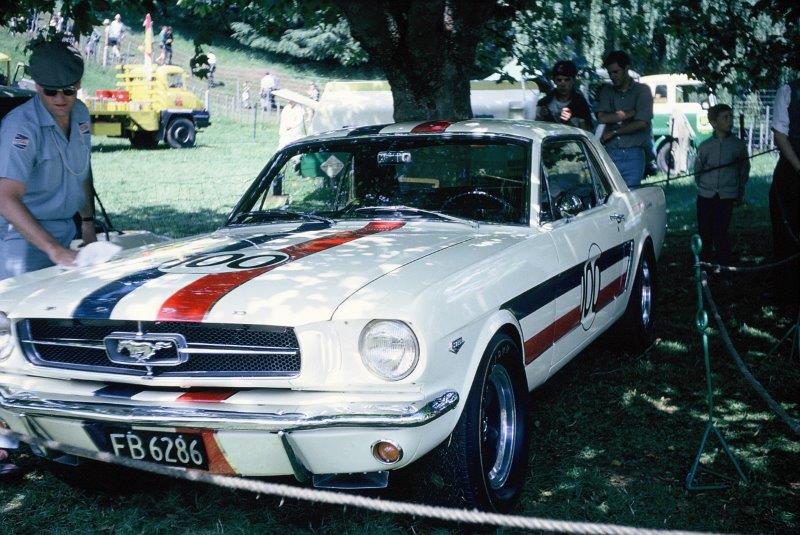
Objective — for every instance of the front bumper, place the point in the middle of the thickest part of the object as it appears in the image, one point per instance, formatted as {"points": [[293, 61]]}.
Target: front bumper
{"points": [[256, 437]]}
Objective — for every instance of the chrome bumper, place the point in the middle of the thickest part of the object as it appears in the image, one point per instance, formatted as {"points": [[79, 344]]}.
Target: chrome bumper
{"points": [[395, 415]]}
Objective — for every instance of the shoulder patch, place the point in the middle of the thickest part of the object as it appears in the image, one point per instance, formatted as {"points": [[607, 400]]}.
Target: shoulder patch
{"points": [[83, 128], [20, 141]]}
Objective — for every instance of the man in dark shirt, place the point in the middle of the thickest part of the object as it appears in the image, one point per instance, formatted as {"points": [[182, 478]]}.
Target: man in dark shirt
{"points": [[626, 109], [563, 104]]}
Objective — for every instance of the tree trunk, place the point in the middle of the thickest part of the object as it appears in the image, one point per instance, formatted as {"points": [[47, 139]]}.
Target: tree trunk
{"points": [[426, 48]]}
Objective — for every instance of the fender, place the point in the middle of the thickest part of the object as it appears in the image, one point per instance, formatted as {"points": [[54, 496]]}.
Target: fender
{"points": [[165, 116], [499, 320]]}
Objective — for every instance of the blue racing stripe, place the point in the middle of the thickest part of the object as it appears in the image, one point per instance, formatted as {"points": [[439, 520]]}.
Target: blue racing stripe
{"points": [[119, 391], [100, 303]]}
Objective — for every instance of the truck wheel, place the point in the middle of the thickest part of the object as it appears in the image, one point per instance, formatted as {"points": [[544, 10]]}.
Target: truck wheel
{"points": [[484, 462], [144, 140], [181, 133], [666, 162]]}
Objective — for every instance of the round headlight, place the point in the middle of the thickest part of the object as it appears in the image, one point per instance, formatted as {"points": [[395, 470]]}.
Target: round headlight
{"points": [[6, 344], [389, 349]]}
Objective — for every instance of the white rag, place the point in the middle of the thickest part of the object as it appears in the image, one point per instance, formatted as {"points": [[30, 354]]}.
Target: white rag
{"points": [[96, 253]]}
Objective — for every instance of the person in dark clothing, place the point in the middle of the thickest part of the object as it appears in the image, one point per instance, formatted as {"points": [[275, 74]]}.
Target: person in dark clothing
{"points": [[564, 104], [784, 194]]}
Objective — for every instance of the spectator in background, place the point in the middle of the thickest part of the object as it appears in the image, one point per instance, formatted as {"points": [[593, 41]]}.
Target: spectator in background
{"points": [[721, 171], [106, 30], [625, 108], [269, 83], [313, 91], [116, 33], [169, 38], [291, 126], [211, 58], [162, 37], [246, 96], [91, 44], [564, 104], [784, 194]]}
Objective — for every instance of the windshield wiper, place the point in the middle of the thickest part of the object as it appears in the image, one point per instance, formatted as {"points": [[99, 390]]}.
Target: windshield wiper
{"points": [[400, 209], [261, 216]]}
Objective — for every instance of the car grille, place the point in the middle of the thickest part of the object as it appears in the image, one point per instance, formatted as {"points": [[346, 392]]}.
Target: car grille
{"points": [[217, 350]]}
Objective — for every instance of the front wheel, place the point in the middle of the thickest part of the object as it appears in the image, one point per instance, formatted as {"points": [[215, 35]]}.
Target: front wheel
{"points": [[484, 462], [181, 133]]}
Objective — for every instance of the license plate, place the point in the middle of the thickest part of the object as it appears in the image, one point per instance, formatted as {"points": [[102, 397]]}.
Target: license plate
{"points": [[172, 449]]}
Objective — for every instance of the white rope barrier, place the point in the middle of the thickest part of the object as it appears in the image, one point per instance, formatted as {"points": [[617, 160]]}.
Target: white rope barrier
{"points": [[340, 498]]}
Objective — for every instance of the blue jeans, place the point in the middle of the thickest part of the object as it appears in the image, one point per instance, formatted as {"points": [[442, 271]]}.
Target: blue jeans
{"points": [[630, 163]]}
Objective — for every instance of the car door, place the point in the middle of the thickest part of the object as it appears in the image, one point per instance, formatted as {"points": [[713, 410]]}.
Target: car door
{"points": [[588, 231]]}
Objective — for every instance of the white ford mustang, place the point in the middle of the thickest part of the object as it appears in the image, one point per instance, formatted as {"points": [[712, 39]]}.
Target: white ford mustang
{"points": [[378, 294]]}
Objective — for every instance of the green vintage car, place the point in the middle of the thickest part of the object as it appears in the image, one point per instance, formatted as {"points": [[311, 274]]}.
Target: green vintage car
{"points": [[677, 92]]}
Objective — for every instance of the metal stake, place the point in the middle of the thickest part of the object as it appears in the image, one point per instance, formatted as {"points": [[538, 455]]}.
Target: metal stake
{"points": [[701, 323]]}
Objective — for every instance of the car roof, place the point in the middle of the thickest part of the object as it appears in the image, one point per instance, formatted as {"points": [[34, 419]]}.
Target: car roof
{"points": [[533, 130], [669, 79]]}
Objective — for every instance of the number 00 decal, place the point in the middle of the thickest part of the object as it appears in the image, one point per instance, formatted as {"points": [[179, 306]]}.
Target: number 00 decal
{"points": [[224, 262], [590, 287]]}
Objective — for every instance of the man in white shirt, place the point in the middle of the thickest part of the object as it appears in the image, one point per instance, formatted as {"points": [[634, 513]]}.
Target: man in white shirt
{"points": [[784, 194], [116, 32], [212, 67], [269, 83]]}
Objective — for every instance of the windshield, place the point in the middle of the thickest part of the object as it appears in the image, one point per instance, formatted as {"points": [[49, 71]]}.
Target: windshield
{"points": [[436, 178]]}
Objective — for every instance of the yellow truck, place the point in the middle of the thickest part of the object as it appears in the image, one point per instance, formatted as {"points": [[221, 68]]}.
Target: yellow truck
{"points": [[151, 104]]}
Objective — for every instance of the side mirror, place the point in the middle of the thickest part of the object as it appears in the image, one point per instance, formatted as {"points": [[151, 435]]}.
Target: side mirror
{"points": [[569, 205]]}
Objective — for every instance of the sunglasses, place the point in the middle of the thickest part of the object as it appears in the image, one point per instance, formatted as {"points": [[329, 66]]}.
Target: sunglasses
{"points": [[68, 91]]}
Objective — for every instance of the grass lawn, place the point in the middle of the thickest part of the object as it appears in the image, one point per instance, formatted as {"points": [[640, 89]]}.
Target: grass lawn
{"points": [[613, 434]]}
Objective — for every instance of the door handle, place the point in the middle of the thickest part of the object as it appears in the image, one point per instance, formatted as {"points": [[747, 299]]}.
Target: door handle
{"points": [[618, 217]]}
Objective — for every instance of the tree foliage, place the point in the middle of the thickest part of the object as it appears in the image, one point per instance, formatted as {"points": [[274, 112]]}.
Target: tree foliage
{"points": [[429, 49]]}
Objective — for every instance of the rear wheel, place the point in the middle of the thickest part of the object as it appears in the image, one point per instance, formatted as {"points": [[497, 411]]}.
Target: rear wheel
{"points": [[181, 133], [664, 158], [484, 462], [636, 327]]}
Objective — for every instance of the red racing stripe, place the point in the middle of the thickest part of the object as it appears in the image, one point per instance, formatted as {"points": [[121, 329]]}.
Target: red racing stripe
{"points": [[610, 291], [217, 462], [541, 342], [207, 396], [192, 302]]}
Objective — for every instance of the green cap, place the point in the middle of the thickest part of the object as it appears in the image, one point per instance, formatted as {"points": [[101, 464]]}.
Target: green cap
{"points": [[56, 64]]}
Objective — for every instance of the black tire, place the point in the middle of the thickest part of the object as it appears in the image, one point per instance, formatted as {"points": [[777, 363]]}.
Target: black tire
{"points": [[664, 158], [484, 462], [181, 133], [636, 328], [144, 140]]}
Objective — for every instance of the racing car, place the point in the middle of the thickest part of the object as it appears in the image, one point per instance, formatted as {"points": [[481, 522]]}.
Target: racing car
{"points": [[380, 298]]}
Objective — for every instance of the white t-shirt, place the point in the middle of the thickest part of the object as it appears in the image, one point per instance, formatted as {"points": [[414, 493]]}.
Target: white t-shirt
{"points": [[780, 120], [292, 124], [115, 29], [269, 82]]}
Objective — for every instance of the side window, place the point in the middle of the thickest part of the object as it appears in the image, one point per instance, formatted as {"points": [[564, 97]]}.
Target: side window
{"points": [[568, 185], [601, 182], [660, 94]]}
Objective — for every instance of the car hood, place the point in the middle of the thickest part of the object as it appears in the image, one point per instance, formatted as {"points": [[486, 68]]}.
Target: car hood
{"points": [[272, 275]]}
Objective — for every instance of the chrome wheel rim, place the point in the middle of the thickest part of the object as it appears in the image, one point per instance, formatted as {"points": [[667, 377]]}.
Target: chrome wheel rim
{"points": [[647, 294], [183, 134], [498, 426]]}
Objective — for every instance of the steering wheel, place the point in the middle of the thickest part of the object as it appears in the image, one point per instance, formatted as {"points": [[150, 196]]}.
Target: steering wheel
{"points": [[505, 206]]}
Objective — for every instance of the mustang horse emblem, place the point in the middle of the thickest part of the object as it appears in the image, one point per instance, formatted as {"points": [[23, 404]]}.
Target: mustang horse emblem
{"points": [[141, 351]]}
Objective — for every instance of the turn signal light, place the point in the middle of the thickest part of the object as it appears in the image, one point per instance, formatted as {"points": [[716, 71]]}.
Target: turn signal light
{"points": [[387, 452]]}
